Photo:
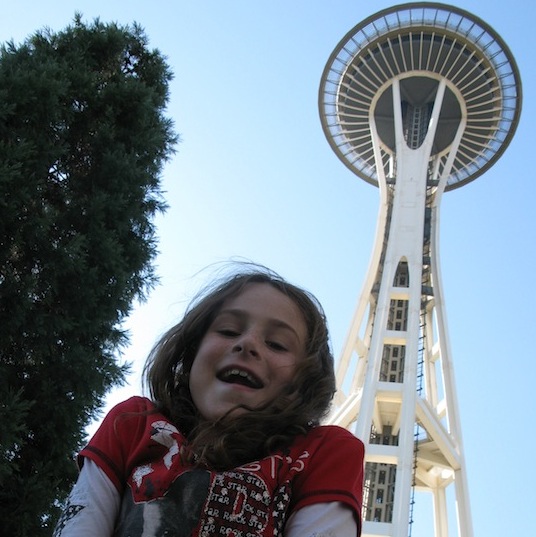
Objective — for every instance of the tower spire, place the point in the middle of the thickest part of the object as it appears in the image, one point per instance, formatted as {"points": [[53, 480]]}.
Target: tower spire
{"points": [[417, 99]]}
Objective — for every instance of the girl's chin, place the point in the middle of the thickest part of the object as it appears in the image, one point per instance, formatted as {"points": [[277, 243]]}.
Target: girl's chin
{"points": [[234, 411]]}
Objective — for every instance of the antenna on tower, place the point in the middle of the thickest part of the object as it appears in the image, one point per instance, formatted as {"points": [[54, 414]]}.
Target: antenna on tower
{"points": [[417, 99]]}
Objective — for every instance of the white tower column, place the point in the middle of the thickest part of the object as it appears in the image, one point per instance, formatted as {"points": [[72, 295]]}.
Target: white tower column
{"points": [[417, 100]]}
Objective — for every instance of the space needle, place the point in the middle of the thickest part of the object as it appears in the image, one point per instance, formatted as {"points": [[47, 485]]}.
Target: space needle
{"points": [[418, 99]]}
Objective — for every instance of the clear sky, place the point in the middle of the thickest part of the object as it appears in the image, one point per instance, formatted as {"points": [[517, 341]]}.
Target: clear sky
{"points": [[255, 178]]}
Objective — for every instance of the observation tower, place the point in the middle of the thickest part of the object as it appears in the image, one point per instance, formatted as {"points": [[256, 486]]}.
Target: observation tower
{"points": [[417, 99]]}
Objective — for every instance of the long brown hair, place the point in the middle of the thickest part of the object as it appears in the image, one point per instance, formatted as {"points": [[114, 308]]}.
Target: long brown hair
{"points": [[234, 440]]}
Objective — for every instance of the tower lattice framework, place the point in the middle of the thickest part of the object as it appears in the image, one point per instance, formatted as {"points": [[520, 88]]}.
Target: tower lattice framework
{"points": [[417, 99]]}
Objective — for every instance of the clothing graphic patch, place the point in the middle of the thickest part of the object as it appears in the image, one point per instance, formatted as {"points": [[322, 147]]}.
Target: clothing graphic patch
{"points": [[177, 513], [69, 512]]}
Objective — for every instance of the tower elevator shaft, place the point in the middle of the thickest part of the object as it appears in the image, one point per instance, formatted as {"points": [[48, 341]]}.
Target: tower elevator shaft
{"points": [[416, 99], [395, 374]]}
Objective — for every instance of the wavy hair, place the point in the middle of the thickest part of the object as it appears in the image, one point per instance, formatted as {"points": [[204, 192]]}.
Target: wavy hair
{"points": [[234, 440]]}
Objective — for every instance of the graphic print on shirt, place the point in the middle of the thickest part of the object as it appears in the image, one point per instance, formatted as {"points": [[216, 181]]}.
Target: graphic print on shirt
{"points": [[166, 498], [153, 506], [69, 512], [163, 432], [166, 434], [240, 503], [177, 513], [228, 503]]}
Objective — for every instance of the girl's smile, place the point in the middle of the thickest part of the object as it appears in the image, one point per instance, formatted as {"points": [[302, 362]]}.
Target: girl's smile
{"points": [[249, 353]]}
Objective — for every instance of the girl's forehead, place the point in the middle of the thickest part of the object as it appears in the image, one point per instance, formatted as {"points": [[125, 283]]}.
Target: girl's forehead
{"points": [[260, 292], [263, 298]]}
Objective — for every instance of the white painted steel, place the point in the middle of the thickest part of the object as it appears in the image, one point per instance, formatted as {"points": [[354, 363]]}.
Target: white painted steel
{"points": [[458, 79]]}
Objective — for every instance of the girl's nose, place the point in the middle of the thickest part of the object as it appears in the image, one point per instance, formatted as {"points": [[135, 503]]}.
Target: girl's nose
{"points": [[247, 344]]}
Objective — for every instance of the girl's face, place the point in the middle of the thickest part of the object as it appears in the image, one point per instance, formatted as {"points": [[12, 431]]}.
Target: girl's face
{"points": [[249, 353]]}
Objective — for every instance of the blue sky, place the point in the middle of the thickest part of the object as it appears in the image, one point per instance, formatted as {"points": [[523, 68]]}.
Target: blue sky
{"points": [[255, 178]]}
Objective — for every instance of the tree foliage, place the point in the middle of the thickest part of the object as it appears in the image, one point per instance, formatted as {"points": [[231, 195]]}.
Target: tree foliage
{"points": [[83, 139]]}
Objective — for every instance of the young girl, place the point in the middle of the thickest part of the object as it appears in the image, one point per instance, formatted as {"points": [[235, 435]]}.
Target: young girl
{"points": [[230, 442]]}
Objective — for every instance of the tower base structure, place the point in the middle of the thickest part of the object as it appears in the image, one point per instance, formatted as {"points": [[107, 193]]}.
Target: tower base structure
{"points": [[418, 99]]}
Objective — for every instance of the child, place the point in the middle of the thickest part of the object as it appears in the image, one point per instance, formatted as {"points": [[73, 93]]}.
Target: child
{"points": [[230, 443]]}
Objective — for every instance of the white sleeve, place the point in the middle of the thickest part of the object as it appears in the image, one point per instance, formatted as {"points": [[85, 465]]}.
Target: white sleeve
{"points": [[333, 519], [92, 506]]}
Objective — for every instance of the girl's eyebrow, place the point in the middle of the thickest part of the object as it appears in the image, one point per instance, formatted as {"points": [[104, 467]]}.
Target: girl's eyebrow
{"points": [[242, 315]]}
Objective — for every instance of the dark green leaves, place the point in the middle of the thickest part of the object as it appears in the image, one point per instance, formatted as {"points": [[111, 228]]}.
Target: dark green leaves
{"points": [[83, 138]]}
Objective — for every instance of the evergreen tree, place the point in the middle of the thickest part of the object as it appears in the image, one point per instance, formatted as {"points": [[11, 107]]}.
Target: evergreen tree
{"points": [[83, 139]]}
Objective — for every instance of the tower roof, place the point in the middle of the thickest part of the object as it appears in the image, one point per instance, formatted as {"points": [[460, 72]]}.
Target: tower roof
{"points": [[420, 44]]}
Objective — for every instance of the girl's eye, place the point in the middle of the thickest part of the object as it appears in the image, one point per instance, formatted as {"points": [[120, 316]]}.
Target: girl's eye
{"points": [[228, 332], [276, 346]]}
